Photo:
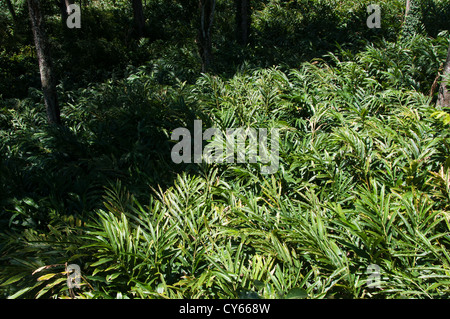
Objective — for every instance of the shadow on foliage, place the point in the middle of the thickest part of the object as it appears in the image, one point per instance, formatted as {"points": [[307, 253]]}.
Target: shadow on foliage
{"points": [[115, 132]]}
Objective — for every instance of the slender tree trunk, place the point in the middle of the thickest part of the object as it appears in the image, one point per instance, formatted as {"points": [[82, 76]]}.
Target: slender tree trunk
{"points": [[139, 20], [207, 8], [11, 10], [45, 62], [444, 94], [243, 21], [408, 6]]}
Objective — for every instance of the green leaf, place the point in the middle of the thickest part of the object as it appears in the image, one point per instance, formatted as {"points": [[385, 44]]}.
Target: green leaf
{"points": [[20, 292], [296, 293], [112, 277], [101, 261], [47, 276], [246, 294], [56, 282], [258, 284], [160, 288], [13, 279]]}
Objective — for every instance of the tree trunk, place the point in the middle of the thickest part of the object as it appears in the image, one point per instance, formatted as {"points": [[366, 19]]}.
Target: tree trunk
{"points": [[139, 20], [11, 10], [243, 21], [207, 8], [444, 94], [408, 6], [45, 62]]}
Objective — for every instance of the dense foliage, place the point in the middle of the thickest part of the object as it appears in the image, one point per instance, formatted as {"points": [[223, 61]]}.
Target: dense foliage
{"points": [[363, 177]]}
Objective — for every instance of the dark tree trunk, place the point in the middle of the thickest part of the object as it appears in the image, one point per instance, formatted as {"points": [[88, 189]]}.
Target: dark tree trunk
{"points": [[45, 62], [207, 8], [139, 20], [11, 10], [444, 94], [243, 21]]}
